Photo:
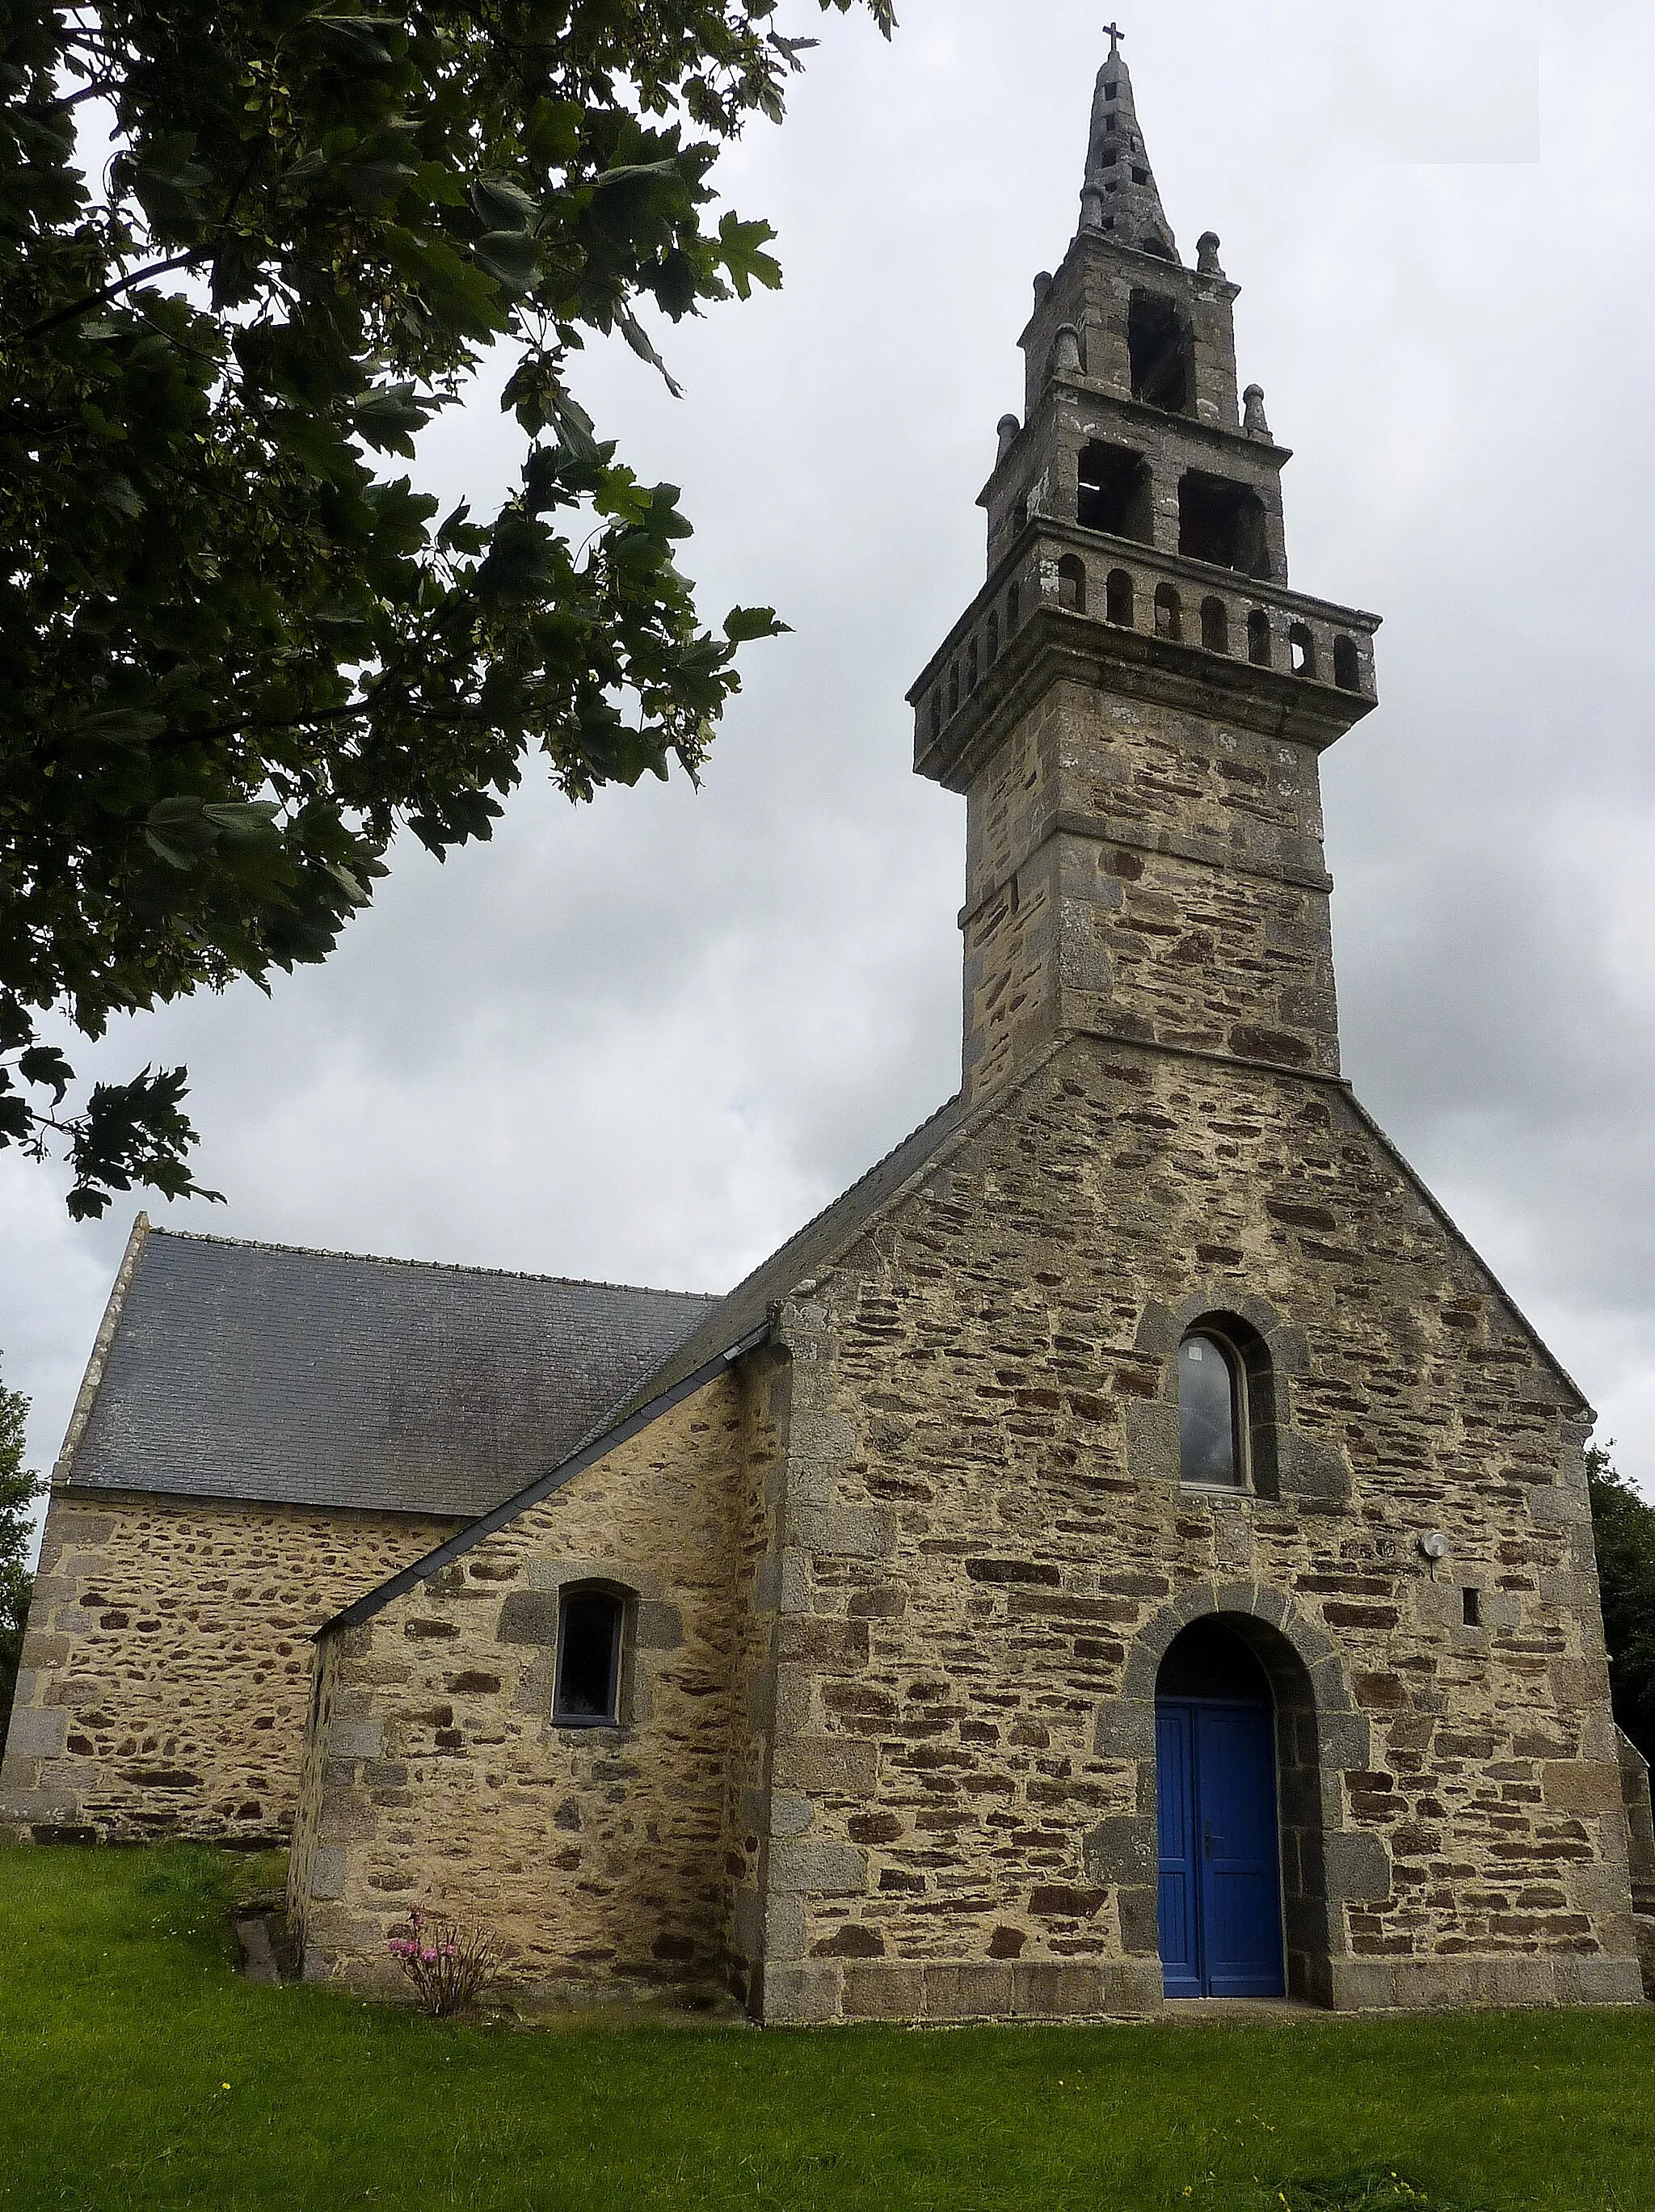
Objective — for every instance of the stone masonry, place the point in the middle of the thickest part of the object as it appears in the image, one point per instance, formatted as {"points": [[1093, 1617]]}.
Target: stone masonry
{"points": [[899, 1533], [168, 1665], [600, 1858]]}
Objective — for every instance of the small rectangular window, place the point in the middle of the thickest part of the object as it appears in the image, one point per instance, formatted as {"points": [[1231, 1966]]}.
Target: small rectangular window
{"points": [[1110, 90], [1139, 176], [1472, 1605], [1111, 124], [587, 1691]]}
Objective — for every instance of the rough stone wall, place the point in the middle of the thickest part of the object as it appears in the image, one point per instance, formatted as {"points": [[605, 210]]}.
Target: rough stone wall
{"points": [[988, 1548], [167, 1669], [597, 1856], [1150, 875], [767, 1381]]}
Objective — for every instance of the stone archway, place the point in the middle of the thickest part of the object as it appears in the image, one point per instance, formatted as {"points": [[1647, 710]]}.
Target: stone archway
{"points": [[1320, 1736]]}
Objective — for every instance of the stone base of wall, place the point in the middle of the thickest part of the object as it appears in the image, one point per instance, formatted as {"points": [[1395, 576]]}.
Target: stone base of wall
{"points": [[1480, 1985], [820, 1992]]}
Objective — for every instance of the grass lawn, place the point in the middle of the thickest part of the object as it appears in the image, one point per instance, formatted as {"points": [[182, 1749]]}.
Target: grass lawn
{"points": [[136, 2071]]}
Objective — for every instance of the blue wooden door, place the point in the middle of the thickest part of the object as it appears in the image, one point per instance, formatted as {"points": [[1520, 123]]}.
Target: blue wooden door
{"points": [[1219, 1887]]}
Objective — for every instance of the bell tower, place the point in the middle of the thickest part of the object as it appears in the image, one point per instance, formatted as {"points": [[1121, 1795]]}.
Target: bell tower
{"points": [[1136, 702]]}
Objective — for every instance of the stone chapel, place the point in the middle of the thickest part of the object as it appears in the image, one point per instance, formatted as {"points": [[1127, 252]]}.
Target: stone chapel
{"points": [[1128, 1548]]}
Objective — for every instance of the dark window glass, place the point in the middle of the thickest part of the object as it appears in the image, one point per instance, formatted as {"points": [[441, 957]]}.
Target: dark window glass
{"points": [[588, 1658], [1209, 1412]]}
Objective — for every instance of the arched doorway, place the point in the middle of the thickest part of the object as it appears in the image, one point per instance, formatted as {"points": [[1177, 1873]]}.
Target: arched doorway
{"points": [[1219, 1884]]}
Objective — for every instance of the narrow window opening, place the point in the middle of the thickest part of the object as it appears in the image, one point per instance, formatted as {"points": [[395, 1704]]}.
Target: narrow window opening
{"points": [[1222, 524], [1161, 353], [1215, 626], [971, 666], [1302, 645], [1020, 517], [1139, 176], [1211, 1412], [1116, 493], [1110, 90], [1110, 156], [953, 689], [1169, 613], [993, 638], [1111, 124], [1347, 664], [588, 1688], [1072, 583], [1014, 609], [1258, 639], [936, 713], [1119, 598], [1471, 1607]]}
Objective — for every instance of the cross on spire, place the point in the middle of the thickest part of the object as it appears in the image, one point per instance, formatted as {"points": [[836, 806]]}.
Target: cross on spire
{"points": [[1114, 34]]}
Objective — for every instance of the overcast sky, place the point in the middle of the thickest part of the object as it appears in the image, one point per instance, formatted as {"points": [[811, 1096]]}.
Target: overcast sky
{"points": [[642, 1041]]}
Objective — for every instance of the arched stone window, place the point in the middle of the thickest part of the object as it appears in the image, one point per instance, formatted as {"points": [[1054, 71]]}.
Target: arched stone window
{"points": [[590, 1626], [1212, 1412], [1169, 613], [1072, 583], [1215, 626], [1347, 664], [1260, 649], [1302, 645], [1119, 597]]}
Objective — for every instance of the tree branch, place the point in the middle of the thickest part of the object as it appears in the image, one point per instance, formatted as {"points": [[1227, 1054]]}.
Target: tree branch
{"points": [[101, 298]]}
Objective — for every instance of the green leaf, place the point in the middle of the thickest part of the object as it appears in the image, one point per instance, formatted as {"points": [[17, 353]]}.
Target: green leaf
{"points": [[639, 339], [509, 255], [743, 623], [502, 205]]}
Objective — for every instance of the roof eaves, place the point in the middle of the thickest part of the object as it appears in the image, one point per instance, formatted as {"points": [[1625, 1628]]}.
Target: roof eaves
{"points": [[423, 1570], [86, 1398]]}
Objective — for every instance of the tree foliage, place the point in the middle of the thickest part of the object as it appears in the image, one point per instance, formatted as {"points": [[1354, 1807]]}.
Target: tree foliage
{"points": [[1624, 1529], [18, 1490], [248, 249]]}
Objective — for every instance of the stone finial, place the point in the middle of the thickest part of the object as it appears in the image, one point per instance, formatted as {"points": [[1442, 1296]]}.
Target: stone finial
{"points": [[1042, 286], [1206, 252], [1254, 422], [1092, 204], [1008, 427], [1066, 352]]}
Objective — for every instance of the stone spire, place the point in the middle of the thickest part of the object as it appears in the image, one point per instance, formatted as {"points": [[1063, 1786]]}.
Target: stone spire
{"points": [[1120, 196]]}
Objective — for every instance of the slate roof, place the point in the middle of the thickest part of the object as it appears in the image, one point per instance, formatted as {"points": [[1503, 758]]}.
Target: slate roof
{"points": [[729, 1327], [255, 1371]]}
